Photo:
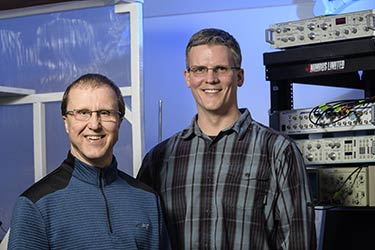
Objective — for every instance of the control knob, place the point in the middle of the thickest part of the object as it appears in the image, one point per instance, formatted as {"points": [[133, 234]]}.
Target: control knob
{"points": [[332, 156], [310, 157], [311, 26], [324, 26], [311, 36]]}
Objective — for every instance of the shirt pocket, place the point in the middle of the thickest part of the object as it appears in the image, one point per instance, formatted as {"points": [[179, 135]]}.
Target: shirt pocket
{"points": [[245, 189]]}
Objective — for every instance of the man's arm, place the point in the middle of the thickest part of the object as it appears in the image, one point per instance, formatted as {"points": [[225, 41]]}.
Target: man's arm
{"points": [[296, 229], [27, 227], [151, 165]]}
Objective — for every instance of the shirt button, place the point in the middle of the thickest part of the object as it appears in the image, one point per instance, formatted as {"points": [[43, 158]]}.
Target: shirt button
{"points": [[205, 245]]}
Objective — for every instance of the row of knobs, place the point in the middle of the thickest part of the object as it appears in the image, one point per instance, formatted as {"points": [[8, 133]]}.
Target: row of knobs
{"points": [[332, 155], [312, 35]]}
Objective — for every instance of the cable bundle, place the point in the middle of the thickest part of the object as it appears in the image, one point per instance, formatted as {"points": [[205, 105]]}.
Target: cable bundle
{"points": [[331, 112]]}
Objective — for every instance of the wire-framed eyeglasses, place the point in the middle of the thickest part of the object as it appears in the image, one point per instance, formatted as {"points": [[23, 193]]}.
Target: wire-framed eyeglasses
{"points": [[105, 115], [219, 70]]}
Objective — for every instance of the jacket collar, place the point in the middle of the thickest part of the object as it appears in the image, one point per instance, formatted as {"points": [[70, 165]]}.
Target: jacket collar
{"points": [[93, 175]]}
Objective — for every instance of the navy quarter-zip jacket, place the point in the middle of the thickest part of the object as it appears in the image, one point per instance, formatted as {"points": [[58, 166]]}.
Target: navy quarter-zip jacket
{"points": [[82, 207]]}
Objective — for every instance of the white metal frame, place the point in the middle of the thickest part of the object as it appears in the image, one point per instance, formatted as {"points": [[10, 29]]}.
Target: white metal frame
{"points": [[135, 91]]}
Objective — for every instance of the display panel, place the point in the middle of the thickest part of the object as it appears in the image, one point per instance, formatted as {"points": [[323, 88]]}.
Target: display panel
{"points": [[48, 51]]}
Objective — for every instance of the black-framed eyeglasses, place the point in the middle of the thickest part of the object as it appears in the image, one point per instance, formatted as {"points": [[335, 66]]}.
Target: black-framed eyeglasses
{"points": [[105, 115], [219, 70]]}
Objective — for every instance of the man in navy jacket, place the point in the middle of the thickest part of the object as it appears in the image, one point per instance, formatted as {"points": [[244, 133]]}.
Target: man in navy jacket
{"points": [[87, 202]]}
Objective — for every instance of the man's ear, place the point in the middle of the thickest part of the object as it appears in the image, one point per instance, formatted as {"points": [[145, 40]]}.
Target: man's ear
{"points": [[119, 124], [65, 124], [240, 77], [187, 78]]}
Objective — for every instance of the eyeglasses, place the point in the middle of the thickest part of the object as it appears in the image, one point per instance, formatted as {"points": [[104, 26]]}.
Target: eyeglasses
{"points": [[218, 70], [105, 115]]}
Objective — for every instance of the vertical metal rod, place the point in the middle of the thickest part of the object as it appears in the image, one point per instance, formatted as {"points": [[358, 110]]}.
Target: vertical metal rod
{"points": [[160, 120], [39, 132]]}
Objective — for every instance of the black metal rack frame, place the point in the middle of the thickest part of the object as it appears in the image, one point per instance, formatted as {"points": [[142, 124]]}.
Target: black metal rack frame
{"points": [[356, 61], [283, 68]]}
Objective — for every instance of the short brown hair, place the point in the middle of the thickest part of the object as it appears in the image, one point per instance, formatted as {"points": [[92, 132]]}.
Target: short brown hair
{"points": [[94, 81], [214, 36]]}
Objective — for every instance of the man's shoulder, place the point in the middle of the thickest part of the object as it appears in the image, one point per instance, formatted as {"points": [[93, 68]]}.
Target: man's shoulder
{"points": [[56, 180], [162, 146], [267, 129], [272, 134]]}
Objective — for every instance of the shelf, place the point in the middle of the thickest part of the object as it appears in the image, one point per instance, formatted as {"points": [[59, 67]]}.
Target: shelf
{"points": [[341, 64], [346, 64], [15, 92]]}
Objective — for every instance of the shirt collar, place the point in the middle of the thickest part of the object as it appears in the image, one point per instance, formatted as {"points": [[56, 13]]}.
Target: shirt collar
{"points": [[240, 126]]}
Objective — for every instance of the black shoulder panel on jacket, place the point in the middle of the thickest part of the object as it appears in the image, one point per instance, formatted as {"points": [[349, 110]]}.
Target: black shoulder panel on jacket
{"points": [[56, 180]]}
